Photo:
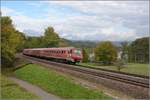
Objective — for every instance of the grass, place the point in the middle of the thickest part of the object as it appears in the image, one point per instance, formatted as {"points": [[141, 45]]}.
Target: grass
{"points": [[57, 84], [18, 63], [10, 90], [134, 68]]}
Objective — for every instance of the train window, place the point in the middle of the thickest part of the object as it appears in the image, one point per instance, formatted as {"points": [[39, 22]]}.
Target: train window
{"points": [[70, 51], [77, 51]]}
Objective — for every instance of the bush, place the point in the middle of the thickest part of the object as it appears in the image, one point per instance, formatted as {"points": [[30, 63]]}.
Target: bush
{"points": [[119, 64]]}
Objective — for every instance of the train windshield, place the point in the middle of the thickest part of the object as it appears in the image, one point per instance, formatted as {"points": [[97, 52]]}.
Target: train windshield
{"points": [[77, 51]]}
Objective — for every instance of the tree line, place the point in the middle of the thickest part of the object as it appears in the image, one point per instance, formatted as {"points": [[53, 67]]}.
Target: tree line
{"points": [[134, 52], [13, 41]]}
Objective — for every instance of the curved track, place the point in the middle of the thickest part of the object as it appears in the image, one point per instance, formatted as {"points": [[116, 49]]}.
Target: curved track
{"points": [[126, 78]]}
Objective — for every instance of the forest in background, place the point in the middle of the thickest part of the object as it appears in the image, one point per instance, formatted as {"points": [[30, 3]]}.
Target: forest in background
{"points": [[13, 41]]}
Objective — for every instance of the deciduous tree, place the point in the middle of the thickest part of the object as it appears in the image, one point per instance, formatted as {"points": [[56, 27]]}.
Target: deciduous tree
{"points": [[85, 55], [51, 38], [10, 40], [139, 50], [105, 52]]}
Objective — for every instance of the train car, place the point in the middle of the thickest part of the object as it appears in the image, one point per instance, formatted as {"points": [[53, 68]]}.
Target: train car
{"points": [[69, 54]]}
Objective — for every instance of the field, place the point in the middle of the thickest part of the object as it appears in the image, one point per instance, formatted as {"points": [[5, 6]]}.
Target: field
{"points": [[57, 84], [134, 68], [10, 90]]}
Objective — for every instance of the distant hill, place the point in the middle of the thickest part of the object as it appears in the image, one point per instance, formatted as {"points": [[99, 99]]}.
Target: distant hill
{"points": [[80, 44], [88, 44]]}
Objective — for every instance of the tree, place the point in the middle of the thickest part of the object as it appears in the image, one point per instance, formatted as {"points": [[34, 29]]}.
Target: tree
{"points": [[105, 52], [63, 43], [124, 47], [85, 55], [139, 50], [10, 40], [33, 42], [51, 38], [120, 64], [21, 44]]}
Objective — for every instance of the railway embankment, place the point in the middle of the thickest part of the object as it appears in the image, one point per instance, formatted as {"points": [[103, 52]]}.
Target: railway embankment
{"points": [[136, 89], [54, 83]]}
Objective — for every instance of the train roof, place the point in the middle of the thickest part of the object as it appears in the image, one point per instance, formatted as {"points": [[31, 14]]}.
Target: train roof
{"points": [[60, 48]]}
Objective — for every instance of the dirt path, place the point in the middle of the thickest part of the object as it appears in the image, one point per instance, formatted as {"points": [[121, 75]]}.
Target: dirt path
{"points": [[35, 90]]}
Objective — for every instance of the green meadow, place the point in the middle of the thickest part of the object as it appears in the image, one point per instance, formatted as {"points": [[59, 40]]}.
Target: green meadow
{"points": [[57, 84]]}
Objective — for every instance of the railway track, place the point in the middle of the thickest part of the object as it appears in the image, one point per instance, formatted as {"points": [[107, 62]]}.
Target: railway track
{"points": [[131, 85], [128, 79], [125, 73]]}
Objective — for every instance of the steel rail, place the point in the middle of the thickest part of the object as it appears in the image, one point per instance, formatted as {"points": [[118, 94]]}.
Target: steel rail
{"points": [[125, 73], [99, 74]]}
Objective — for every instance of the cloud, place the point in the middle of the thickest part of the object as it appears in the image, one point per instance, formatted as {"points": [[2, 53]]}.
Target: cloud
{"points": [[133, 15], [87, 20], [32, 32], [6, 11]]}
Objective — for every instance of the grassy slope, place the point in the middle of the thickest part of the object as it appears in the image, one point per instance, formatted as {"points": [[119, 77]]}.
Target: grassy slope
{"points": [[10, 90], [57, 84], [141, 69]]}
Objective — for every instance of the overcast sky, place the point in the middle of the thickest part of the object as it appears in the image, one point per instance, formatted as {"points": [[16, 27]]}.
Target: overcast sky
{"points": [[81, 20]]}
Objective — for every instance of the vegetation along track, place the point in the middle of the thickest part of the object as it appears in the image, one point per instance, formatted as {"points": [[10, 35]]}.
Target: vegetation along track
{"points": [[125, 73], [129, 79]]}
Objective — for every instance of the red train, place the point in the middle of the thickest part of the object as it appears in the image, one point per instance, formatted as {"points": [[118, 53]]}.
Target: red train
{"points": [[68, 54]]}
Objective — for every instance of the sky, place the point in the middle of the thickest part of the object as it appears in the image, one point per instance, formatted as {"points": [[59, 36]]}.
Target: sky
{"points": [[81, 20]]}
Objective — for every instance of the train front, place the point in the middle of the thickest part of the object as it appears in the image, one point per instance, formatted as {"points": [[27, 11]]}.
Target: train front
{"points": [[77, 55]]}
